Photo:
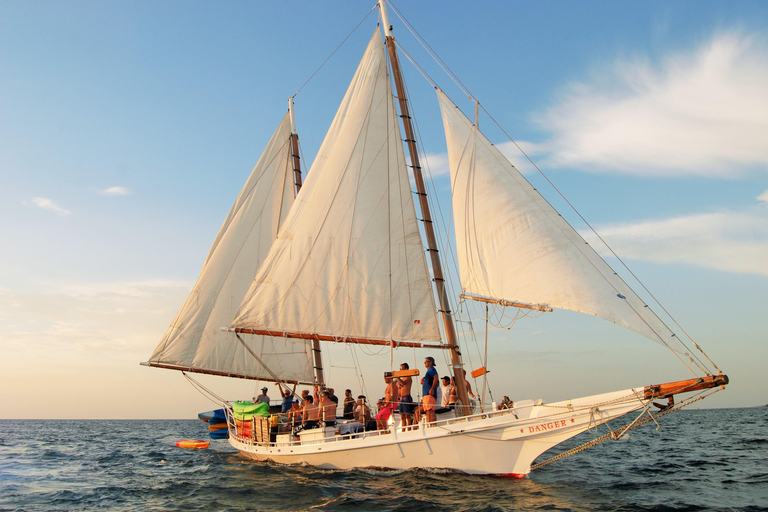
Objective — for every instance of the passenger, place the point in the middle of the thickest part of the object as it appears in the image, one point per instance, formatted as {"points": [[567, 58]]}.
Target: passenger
{"points": [[311, 414], [386, 405], [262, 397], [506, 403], [327, 409], [469, 386], [349, 405], [304, 395], [287, 401], [333, 397], [406, 405], [363, 413], [294, 414], [454, 394], [445, 388], [428, 385]]}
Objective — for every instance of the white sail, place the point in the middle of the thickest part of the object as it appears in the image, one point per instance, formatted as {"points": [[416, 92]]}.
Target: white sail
{"points": [[513, 245], [195, 340], [349, 261]]}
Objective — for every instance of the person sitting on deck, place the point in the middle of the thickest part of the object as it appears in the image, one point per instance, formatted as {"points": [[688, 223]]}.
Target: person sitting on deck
{"points": [[385, 405], [294, 414], [363, 413], [349, 405], [311, 414], [445, 396], [327, 409], [506, 403]]}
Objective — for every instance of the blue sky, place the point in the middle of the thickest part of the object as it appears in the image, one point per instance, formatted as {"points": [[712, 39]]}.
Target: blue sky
{"points": [[128, 128]]}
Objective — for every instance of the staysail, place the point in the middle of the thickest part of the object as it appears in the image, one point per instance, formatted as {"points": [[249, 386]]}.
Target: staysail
{"points": [[348, 261], [513, 245], [194, 341]]}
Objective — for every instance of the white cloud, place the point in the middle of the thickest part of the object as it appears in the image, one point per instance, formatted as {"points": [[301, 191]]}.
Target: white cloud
{"points": [[47, 204], [115, 191], [763, 197], [698, 113], [98, 318], [436, 164], [727, 241]]}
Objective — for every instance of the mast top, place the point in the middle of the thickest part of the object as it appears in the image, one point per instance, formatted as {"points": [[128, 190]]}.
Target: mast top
{"points": [[386, 27], [290, 112]]}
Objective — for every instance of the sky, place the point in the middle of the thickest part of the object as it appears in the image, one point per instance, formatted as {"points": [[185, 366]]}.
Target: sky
{"points": [[128, 128]]}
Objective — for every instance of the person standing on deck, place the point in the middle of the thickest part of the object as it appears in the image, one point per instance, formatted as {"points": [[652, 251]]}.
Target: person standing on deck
{"points": [[262, 397], [406, 401], [327, 409], [428, 385]]}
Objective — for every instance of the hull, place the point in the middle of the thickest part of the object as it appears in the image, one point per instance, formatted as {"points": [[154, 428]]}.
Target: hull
{"points": [[502, 442]]}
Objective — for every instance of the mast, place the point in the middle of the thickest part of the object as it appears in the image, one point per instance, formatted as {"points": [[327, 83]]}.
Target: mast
{"points": [[317, 355], [437, 269]]}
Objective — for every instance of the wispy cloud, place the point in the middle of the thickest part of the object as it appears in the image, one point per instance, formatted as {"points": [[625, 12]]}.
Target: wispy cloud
{"points": [[730, 241], [115, 191], [763, 197], [699, 113], [105, 318], [47, 204]]}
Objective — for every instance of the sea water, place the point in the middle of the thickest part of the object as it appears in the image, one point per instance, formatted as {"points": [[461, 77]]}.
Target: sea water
{"points": [[698, 460]]}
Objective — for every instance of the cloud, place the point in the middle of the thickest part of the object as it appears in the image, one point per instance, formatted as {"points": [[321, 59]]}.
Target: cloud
{"points": [[436, 164], [728, 241], [699, 113], [96, 318], [763, 197], [47, 204], [115, 191]]}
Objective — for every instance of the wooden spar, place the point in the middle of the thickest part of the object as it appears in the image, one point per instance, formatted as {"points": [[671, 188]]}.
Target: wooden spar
{"points": [[502, 302], [337, 339], [683, 386], [221, 374], [317, 355], [437, 269]]}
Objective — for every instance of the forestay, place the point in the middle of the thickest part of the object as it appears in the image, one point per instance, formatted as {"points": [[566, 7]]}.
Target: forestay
{"points": [[513, 245], [194, 340], [349, 261]]}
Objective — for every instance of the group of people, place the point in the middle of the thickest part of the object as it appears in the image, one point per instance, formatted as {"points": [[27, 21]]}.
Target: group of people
{"points": [[438, 396]]}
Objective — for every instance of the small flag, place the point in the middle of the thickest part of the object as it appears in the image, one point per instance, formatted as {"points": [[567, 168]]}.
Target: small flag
{"points": [[620, 296], [417, 321]]}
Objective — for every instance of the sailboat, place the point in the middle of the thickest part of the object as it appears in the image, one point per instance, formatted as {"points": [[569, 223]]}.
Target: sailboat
{"points": [[345, 258]]}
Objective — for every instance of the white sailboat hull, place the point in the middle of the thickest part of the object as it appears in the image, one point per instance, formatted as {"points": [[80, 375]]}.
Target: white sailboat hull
{"points": [[503, 442]]}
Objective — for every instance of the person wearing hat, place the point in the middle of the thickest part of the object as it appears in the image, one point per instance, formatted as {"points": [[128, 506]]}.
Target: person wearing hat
{"points": [[262, 397]]}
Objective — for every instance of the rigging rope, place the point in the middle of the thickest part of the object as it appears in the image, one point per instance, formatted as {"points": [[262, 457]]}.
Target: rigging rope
{"points": [[616, 435]]}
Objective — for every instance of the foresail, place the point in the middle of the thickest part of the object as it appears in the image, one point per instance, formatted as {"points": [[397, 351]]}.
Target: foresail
{"points": [[513, 245], [349, 261], [194, 340]]}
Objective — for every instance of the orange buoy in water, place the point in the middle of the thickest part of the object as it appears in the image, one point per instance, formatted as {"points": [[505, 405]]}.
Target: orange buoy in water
{"points": [[195, 445]]}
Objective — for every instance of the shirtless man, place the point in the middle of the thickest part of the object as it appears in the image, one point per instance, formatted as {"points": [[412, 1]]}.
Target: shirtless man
{"points": [[406, 401], [311, 414], [327, 409]]}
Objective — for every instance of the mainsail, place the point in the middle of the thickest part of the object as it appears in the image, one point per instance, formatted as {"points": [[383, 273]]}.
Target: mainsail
{"points": [[194, 341], [348, 260], [513, 245]]}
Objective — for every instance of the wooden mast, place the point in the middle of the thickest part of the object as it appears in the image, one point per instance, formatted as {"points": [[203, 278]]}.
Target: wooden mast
{"points": [[317, 356], [437, 269]]}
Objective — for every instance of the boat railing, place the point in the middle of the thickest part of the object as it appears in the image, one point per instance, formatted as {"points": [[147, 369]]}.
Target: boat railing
{"points": [[393, 428]]}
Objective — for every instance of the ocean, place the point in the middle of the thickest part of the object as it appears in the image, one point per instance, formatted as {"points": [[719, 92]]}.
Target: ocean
{"points": [[713, 459]]}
